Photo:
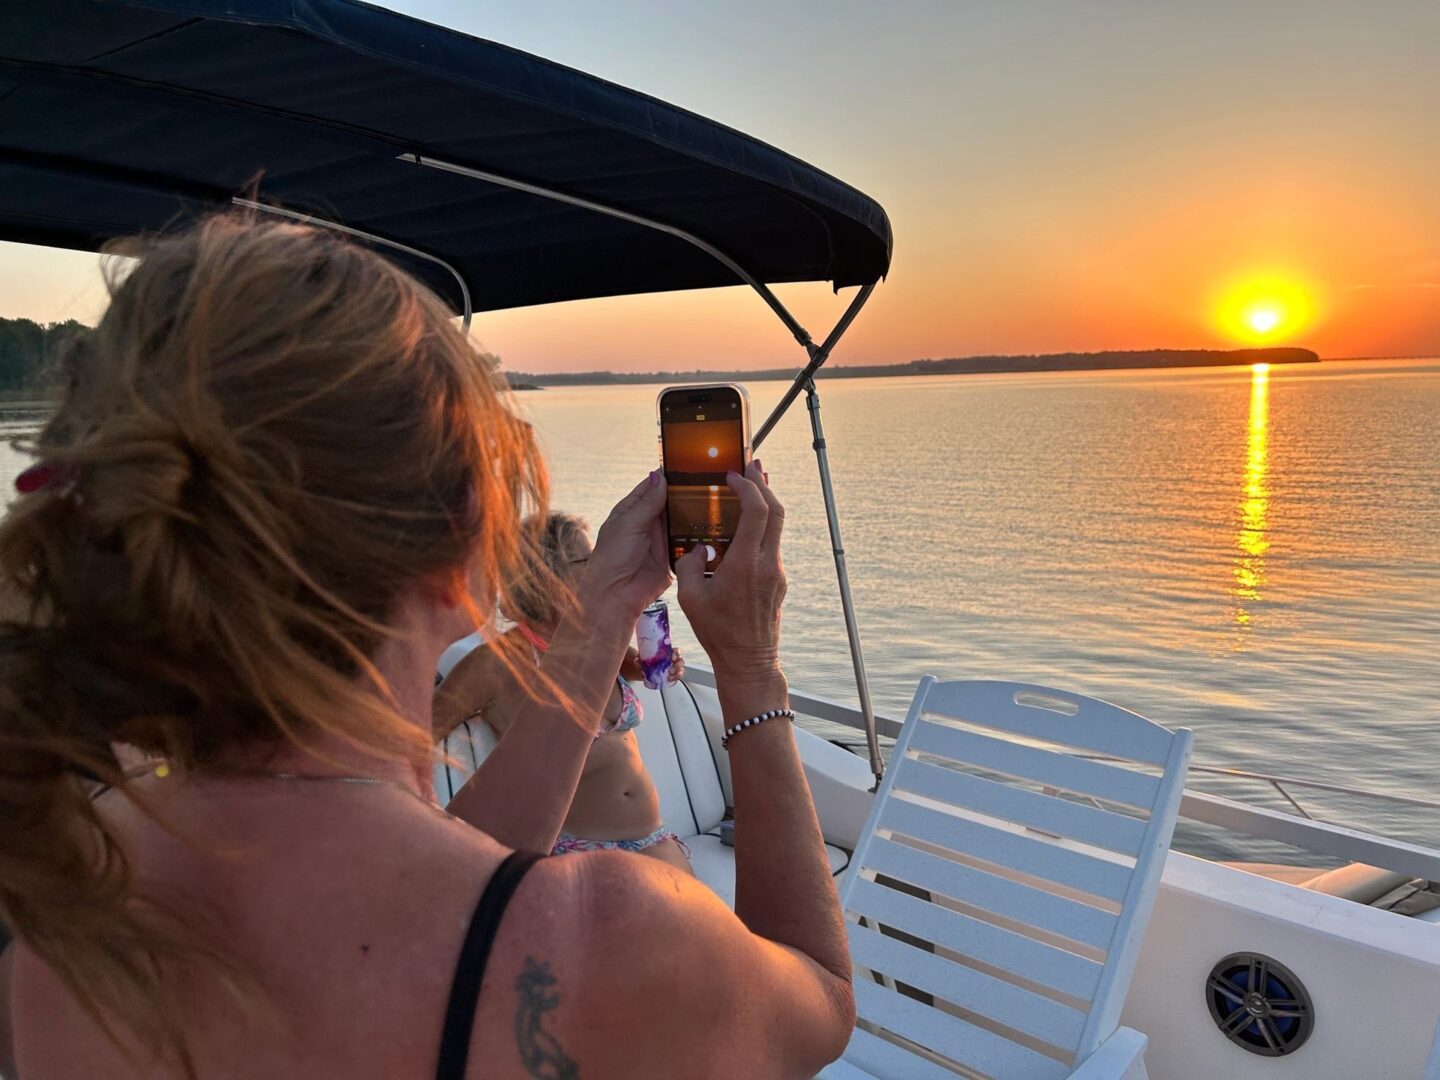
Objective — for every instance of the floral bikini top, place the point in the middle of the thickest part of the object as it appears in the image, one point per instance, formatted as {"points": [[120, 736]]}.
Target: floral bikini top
{"points": [[630, 711]]}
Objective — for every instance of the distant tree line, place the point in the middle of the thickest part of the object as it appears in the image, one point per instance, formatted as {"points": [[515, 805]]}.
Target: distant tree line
{"points": [[955, 365], [28, 350]]}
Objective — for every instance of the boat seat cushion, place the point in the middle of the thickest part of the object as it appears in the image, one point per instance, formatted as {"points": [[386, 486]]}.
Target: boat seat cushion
{"points": [[1360, 882], [457, 652], [468, 745], [681, 760]]}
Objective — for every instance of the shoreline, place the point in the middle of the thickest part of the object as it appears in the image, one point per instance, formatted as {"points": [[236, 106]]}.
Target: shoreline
{"points": [[969, 365]]}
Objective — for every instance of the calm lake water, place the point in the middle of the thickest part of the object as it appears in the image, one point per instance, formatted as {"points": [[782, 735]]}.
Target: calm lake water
{"points": [[1252, 555]]}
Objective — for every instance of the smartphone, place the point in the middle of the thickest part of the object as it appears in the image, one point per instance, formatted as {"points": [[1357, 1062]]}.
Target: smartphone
{"points": [[704, 434]]}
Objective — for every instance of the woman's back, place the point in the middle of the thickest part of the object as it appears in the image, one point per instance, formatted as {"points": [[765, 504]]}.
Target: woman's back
{"points": [[349, 912], [258, 517], [347, 905]]}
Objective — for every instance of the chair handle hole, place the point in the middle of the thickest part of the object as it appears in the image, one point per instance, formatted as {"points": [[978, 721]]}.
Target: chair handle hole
{"points": [[1032, 700]]}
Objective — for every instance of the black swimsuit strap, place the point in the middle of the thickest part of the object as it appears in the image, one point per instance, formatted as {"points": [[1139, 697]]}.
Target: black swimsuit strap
{"points": [[470, 968]]}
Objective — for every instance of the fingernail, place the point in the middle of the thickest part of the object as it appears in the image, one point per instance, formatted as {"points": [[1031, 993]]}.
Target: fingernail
{"points": [[654, 477], [756, 463], [731, 472]]}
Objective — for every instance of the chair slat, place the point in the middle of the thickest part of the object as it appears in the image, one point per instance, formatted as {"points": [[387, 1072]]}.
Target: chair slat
{"points": [[1096, 726], [1035, 961], [1102, 828], [1008, 848], [884, 1060], [1010, 899], [972, 990], [844, 1070], [1103, 780], [952, 1037]]}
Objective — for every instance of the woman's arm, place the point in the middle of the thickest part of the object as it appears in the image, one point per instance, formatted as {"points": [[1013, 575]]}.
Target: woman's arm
{"points": [[468, 690], [783, 887], [769, 983], [784, 890], [522, 792]]}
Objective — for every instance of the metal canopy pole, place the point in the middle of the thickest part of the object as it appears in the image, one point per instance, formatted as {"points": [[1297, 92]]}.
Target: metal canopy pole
{"points": [[818, 354], [310, 219], [842, 577], [801, 335], [806, 381]]}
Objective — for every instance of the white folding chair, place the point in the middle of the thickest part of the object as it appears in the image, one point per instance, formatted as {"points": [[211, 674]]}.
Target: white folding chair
{"points": [[1012, 858]]}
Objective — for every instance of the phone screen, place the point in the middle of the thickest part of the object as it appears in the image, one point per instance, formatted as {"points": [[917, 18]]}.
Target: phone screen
{"points": [[703, 436]]}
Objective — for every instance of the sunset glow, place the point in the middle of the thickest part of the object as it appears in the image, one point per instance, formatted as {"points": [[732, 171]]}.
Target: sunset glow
{"points": [[1229, 204], [1266, 309]]}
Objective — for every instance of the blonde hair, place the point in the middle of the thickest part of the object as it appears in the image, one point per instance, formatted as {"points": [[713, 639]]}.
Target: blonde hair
{"points": [[559, 536], [271, 434]]}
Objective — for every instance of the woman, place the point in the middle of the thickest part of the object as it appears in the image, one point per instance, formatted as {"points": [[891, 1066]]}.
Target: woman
{"points": [[616, 806], [275, 481]]}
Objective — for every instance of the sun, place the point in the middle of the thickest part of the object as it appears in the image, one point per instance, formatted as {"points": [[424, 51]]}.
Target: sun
{"points": [[1263, 308], [1263, 318]]}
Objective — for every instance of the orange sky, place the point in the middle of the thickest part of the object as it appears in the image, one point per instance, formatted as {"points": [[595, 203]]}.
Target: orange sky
{"points": [[1060, 176]]}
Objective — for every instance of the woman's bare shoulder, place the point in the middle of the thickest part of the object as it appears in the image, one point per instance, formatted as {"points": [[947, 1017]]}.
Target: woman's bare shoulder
{"points": [[624, 947]]}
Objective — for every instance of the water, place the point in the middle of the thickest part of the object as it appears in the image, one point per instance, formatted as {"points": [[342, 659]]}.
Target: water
{"points": [[1252, 555]]}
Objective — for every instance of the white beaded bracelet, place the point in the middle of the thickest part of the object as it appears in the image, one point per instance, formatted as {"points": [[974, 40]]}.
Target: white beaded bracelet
{"points": [[730, 733]]}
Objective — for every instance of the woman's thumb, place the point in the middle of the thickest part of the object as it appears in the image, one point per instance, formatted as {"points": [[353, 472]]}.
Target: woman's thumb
{"points": [[652, 496], [690, 570], [643, 503]]}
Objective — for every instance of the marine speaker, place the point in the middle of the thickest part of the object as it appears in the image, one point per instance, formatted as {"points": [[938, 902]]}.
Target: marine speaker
{"points": [[1259, 1004]]}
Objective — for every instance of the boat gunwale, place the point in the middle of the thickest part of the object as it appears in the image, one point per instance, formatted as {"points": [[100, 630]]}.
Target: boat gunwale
{"points": [[1304, 832]]}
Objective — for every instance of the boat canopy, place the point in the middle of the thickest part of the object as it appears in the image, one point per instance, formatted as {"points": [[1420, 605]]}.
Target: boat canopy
{"points": [[497, 177], [119, 116]]}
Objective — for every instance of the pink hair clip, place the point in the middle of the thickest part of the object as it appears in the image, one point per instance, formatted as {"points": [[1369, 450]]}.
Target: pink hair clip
{"points": [[41, 475]]}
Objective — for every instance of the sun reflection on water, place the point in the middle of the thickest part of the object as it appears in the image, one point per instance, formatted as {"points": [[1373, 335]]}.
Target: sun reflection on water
{"points": [[712, 510], [1252, 540]]}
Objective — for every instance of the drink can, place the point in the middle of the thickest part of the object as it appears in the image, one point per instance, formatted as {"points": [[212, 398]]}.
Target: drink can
{"points": [[652, 640]]}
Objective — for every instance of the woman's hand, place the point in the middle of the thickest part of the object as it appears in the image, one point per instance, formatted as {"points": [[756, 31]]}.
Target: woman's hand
{"points": [[736, 612], [631, 671], [628, 568]]}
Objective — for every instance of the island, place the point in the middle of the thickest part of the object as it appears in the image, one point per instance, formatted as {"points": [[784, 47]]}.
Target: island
{"points": [[960, 365]]}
